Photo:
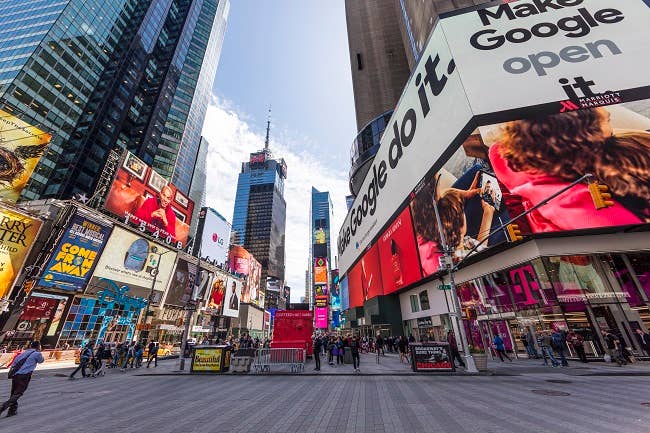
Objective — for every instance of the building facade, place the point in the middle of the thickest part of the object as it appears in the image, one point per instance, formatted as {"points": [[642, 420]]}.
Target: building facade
{"points": [[259, 216], [320, 254], [99, 76]]}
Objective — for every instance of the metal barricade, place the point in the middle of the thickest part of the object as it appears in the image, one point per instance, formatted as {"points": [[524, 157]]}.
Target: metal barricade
{"points": [[268, 360]]}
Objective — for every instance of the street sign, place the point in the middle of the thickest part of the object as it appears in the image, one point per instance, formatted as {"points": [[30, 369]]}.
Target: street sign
{"points": [[444, 287]]}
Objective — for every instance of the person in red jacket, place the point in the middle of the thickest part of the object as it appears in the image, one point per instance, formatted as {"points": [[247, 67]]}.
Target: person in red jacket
{"points": [[537, 157]]}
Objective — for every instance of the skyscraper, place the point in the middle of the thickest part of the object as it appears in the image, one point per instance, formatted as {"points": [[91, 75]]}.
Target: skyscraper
{"points": [[385, 38], [260, 213], [101, 75], [320, 218]]}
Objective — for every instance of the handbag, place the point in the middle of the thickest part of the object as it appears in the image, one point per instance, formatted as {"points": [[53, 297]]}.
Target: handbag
{"points": [[17, 366]]}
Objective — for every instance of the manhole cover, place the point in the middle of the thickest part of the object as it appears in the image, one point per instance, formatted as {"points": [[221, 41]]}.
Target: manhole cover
{"points": [[558, 381], [646, 404], [550, 392]]}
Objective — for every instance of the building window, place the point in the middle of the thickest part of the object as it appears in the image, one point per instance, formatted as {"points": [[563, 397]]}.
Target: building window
{"points": [[424, 300], [415, 306]]}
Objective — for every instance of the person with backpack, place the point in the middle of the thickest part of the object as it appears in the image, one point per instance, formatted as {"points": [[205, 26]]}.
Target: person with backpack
{"points": [[340, 350], [98, 364], [85, 357], [138, 351], [152, 354], [355, 346], [20, 375], [379, 343], [544, 343], [558, 343]]}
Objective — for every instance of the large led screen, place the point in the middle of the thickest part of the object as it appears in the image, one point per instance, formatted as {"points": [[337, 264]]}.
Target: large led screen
{"points": [[21, 147], [144, 198], [132, 261], [76, 254], [215, 236], [365, 278], [18, 232], [398, 254]]}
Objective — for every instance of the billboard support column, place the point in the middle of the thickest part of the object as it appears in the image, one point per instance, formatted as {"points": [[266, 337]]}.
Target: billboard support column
{"points": [[449, 264]]}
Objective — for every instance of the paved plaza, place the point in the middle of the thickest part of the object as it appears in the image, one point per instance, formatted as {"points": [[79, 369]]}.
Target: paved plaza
{"points": [[528, 400]]}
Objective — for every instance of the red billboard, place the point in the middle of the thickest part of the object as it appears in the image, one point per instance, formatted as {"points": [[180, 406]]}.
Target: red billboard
{"points": [[398, 254], [146, 199], [365, 278]]}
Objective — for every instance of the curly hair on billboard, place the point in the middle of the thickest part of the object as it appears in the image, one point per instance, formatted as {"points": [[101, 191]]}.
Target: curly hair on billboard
{"points": [[556, 145]]}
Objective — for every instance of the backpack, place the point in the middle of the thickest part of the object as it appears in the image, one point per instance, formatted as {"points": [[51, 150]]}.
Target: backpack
{"points": [[556, 341], [17, 366]]}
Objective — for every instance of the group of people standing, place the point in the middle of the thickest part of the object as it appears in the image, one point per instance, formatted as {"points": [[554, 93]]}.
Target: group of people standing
{"points": [[336, 347], [99, 356]]}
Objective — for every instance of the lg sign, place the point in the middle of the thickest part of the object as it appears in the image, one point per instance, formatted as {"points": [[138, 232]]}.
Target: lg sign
{"points": [[216, 239], [215, 236]]}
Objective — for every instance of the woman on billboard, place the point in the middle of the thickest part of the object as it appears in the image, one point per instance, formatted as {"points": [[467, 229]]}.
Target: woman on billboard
{"points": [[534, 158], [451, 206]]}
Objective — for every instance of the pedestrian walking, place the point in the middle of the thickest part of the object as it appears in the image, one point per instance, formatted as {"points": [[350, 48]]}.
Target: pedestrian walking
{"points": [[85, 357], [355, 346], [402, 347], [129, 356], [500, 347], [20, 375], [379, 343], [152, 354], [453, 346], [644, 340], [558, 343], [613, 348], [317, 348], [340, 350], [98, 363], [544, 342], [578, 343], [530, 347]]}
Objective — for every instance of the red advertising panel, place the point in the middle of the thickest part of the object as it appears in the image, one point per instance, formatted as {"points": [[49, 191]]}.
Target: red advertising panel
{"points": [[398, 254], [320, 319], [365, 278], [239, 260], [143, 197], [354, 286]]}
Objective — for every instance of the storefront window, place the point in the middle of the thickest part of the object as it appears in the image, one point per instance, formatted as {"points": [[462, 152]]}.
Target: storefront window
{"points": [[424, 300], [415, 307]]}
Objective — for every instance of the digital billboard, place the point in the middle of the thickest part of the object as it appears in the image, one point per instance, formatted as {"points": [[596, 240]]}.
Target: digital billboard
{"points": [[320, 270], [217, 294], [255, 289], [21, 147], [239, 260], [365, 278], [398, 254], [345, 293], [232, 297], [242, 263], [18, 232], [539, 61], [74, 258], [215, 236], [144, 198], [556, 108], [181, 285], [132, 261], [320, 318]]}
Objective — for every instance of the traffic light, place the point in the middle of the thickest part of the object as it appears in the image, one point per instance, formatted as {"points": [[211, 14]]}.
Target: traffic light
{"points": [[514, 234], [600, 195]]}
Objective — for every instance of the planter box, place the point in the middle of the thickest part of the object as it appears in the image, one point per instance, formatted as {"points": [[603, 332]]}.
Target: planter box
{"points": [[480, 359]]}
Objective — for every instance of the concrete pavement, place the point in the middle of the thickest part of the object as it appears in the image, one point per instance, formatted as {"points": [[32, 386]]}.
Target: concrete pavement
{"points": [[531, 402]]}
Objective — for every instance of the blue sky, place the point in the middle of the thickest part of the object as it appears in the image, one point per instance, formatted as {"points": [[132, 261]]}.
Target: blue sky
{"points": [[294, 56]]}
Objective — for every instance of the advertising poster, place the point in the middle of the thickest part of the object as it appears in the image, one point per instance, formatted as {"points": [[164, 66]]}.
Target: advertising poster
{"points": [[255, 290], [215, 237], [232, 298], [217, 294], [181, 284], [145, 199], [39, 315], [320, 236], [431, 357], [131, 260], [345, 294], [398, 254], [365, 278], [21, 147], [320, 317], [202, 285], [239, 260], [17, 234], [207, 359], [320, 270], [76, 254]]}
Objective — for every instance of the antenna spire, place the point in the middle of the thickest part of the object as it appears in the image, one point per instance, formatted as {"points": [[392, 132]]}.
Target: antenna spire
{"points": [[268, 130]]}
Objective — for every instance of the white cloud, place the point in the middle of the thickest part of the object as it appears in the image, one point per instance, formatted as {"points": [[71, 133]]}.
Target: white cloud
{"points": [[231, 139]]}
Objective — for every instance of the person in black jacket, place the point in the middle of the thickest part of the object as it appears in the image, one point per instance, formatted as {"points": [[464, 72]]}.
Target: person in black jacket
{"points": [[354, 349], [85, 357], [317, 348], [152, 354]]}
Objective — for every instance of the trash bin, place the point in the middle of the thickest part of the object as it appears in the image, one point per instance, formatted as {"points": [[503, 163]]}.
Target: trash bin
{"points": [[211, 359], [347, 356]]}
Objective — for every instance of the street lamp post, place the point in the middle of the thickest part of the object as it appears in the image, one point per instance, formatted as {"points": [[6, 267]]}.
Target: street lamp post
{"points": [[449, 264]]}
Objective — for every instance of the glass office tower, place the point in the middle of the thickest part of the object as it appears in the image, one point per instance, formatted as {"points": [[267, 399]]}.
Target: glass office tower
{"points": [[320, 219], [260, 213], [101, 75]]}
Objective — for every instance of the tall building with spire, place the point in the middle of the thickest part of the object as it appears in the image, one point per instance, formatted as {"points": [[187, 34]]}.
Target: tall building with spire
{"points": [[260, 213]]}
